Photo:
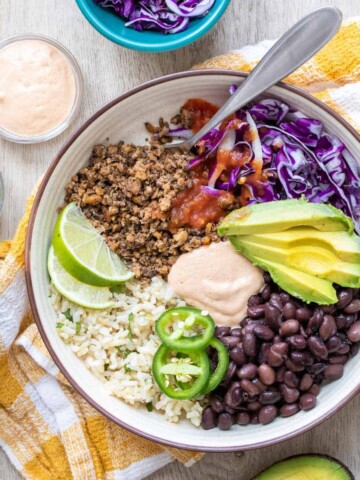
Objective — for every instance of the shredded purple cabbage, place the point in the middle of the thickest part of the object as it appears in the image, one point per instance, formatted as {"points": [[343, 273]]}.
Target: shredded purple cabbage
{"points": [[298, 158], [166, 16]]}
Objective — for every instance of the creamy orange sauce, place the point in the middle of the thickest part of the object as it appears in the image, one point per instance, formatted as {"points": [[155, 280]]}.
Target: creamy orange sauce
{"points": [[217, 279], [37, 87]]}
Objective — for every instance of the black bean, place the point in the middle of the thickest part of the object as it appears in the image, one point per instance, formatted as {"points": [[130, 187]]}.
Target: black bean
{"points": [[254, 420], [307, 401], [229, 374], [242, 418], [249, 371], [354, 349], [250, 344], [289, 327], [236, 332], [217, 405], [263, 332], [353, 307], [225, 421], [317, 347], [249, 387], [222, 331], [354, 332], [328, 308], [256, 311], [344, 298], [344, 349], [289, 410], [302, 358], [208, 419], [267, 414], [265, 293], [289, 310], [297, 341], [237, 355], [267, 277], [274, 358], [229, 341], [333, 344], [319, 378], [253, 406], [272, 317], [350, 319], [290, 379], [281, 348], [261, 387], [303, 314], [340, 321], [284, 297], [314, 390], [290, 395], [254, 300], [328, 327], [269, 398], [264, 351], [316, 368], [306, 382], [277, 339], [280, 373], [314, 322], [294, 367], [276, 302], [230, 410], [267, 374], [333, 372]]}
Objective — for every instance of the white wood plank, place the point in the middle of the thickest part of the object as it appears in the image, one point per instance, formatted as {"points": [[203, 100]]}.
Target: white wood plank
{"points": [[108, 71]]}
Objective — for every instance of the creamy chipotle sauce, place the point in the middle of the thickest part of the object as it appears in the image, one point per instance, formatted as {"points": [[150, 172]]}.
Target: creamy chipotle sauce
{"points": [[217, 279], [37, 87]]}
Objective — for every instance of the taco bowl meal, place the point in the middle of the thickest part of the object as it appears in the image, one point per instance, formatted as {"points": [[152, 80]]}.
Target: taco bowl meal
{"points": [[211, 299]]}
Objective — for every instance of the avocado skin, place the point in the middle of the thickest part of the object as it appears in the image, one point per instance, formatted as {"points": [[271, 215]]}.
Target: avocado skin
{"points": [[317, 261], [278, 216], [314, 466], [346, 246], [298, 284]]}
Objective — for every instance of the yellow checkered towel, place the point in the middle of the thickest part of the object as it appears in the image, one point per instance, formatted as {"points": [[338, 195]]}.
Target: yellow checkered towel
{"points": [[47, 430]]}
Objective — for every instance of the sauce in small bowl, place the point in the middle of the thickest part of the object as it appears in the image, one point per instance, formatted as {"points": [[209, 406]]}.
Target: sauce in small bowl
{"points": [[40, 88]]}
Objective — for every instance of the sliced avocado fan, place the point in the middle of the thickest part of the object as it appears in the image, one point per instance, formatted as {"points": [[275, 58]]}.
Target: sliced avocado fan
{"points": [[307, 467]]}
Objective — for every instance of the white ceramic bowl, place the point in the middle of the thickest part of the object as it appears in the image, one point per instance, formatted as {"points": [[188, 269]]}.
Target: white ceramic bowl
{"points": [[123, 118]]}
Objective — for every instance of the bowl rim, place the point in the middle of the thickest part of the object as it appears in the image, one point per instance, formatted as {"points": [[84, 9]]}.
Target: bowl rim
{"points": [[28, 245], [165, 43]]}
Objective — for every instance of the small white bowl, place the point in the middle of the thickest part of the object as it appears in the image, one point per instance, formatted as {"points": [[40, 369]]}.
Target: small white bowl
{"points": [[12, 137], [124, 118]]}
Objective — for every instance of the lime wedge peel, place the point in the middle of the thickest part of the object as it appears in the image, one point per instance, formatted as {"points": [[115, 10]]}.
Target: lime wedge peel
{"points": [[83, 252], [97, 298]]}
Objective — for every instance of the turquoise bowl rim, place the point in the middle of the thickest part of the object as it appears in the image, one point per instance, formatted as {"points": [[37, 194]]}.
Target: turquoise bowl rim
{"points": [[164, 43]]}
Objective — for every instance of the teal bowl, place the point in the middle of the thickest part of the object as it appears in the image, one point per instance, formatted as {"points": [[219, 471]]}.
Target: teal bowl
{"points": [[113, 27]]}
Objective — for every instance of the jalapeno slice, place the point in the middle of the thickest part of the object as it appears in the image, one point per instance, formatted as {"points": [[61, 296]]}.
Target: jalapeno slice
{"points": [[221, 368], [170, 369], [174, 327]]}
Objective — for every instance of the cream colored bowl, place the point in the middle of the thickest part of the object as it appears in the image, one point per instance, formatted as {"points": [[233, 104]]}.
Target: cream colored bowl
{"points": [[124, 118]]}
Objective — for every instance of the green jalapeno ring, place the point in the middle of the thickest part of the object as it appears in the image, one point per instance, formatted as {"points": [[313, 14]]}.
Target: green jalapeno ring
{"points": [[221, 368], [200, 365], [190, 316]]}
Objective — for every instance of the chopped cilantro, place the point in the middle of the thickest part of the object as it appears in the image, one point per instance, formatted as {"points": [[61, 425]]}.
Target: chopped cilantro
{"points": [[118, 289], [59, 325], [106, 366], [77, 328], [68, 315], [124, 352], [127, 369], [149, 407]]}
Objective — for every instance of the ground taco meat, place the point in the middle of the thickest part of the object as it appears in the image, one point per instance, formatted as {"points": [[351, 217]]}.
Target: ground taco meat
{"points": [[127, 193]]}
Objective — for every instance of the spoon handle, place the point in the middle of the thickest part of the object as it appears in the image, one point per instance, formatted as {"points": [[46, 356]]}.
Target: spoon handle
{"points": [[293, 49]]}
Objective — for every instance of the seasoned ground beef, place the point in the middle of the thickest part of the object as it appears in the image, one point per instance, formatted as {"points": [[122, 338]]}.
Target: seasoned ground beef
{"points": [[126, 191]]}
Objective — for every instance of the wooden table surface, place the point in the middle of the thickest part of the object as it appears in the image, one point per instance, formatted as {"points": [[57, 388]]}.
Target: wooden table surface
{"points": [[109, 70]]}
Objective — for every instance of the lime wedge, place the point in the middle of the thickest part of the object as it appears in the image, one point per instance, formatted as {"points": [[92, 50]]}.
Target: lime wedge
{"points": [[82, 251], [75, 291]]}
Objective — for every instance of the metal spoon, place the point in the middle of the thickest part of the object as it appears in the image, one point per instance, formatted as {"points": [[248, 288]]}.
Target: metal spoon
{"points": [[293, 49]]}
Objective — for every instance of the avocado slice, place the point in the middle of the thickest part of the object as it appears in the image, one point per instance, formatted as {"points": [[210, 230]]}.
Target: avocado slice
{"points": [[307, 467], [314, 260], [346, 246], [281, 215], [299, 284]]}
